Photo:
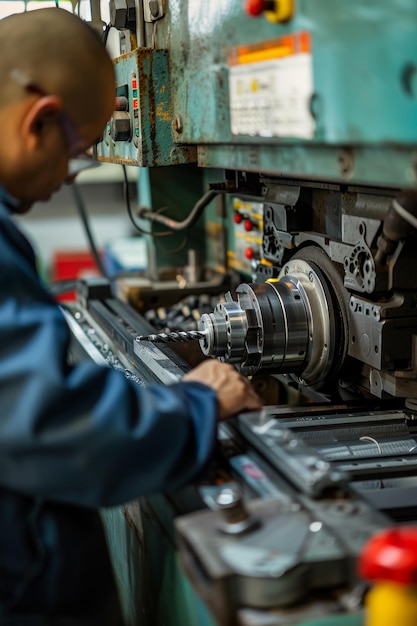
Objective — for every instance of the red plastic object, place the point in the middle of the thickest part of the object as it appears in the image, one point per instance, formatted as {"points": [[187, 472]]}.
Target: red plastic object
{"points": [[71, 265], [248, 226], [249, 254], [391, 556], [257, 7], [238, 218]]}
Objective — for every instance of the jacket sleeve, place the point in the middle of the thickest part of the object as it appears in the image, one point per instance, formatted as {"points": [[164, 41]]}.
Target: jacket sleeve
{"points": [[85, 434]]}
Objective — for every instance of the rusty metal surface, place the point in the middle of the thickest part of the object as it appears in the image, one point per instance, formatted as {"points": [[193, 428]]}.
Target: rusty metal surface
{"points": [[364, 99], [150, 142]]}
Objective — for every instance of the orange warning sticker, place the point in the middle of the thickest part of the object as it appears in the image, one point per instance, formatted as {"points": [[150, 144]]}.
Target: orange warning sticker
{"points": [[285, 46]]}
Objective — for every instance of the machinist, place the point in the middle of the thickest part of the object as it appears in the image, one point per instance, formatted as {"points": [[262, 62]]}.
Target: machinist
{"points": [[73, 438]]}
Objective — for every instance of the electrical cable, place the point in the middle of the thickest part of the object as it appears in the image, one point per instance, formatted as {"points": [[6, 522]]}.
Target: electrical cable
{"points": [[180, 246], [194, 214], [105, 34], [130, 213], [60, 287], [85, 222]]}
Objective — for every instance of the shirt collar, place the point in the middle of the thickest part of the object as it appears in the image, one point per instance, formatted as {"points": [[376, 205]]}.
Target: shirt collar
{"points": [[8, 201]]}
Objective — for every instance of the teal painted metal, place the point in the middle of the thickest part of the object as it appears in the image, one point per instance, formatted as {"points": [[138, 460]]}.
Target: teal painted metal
{"points": [[384, 166], [174, 191], [142, 76], [338, 620], [179, 603], [364, 98], [152, 586], [129, 567], [364, 65]]}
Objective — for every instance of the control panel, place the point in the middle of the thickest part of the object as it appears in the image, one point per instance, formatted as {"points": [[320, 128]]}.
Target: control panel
{"points": [[248, 231], [140, 132]]}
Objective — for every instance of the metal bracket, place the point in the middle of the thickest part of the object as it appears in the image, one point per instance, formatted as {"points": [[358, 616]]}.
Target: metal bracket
{"points": [[153, 10]]}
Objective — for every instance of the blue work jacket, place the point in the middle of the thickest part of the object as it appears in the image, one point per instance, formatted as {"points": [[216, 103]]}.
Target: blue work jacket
{"points": [[73, 439]]}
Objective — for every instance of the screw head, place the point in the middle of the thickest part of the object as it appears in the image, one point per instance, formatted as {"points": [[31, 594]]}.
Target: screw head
{"points": [[177, 124]]}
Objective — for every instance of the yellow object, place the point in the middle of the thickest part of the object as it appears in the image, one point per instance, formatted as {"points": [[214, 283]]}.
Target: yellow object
{"points": [[391, 604], [284, 10]]}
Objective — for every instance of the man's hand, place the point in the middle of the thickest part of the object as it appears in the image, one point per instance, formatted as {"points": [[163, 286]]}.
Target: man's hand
{"points": [[234, 392]]}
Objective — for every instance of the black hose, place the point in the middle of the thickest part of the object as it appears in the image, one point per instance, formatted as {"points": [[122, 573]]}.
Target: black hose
{"points": [[86, 224], [134, 223], [194, 214]]}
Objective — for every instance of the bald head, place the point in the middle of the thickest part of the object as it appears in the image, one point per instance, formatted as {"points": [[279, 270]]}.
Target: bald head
{"points": [[61, 54], [58, 91]]}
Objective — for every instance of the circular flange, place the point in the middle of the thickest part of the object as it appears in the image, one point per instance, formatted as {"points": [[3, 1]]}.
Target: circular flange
{"points": [[321, 330]]}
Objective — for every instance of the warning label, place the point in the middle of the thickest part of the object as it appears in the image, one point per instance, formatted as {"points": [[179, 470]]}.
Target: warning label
{"points": [[271, 86]]}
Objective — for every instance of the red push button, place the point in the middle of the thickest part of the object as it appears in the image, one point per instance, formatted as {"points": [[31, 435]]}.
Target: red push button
{"points": [[249, 253], [256, 7], [391, 555], [238, 218], [248, 226]]}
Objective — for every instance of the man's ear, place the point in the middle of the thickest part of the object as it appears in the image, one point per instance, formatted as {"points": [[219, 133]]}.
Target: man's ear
{"points": [[41, 111]]}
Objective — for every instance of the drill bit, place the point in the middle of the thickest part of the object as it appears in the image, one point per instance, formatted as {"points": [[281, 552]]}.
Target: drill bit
{"points": [[181, 335]]}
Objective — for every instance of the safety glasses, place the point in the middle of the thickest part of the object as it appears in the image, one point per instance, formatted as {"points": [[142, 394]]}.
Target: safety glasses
{"points": [[79, 158]]}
